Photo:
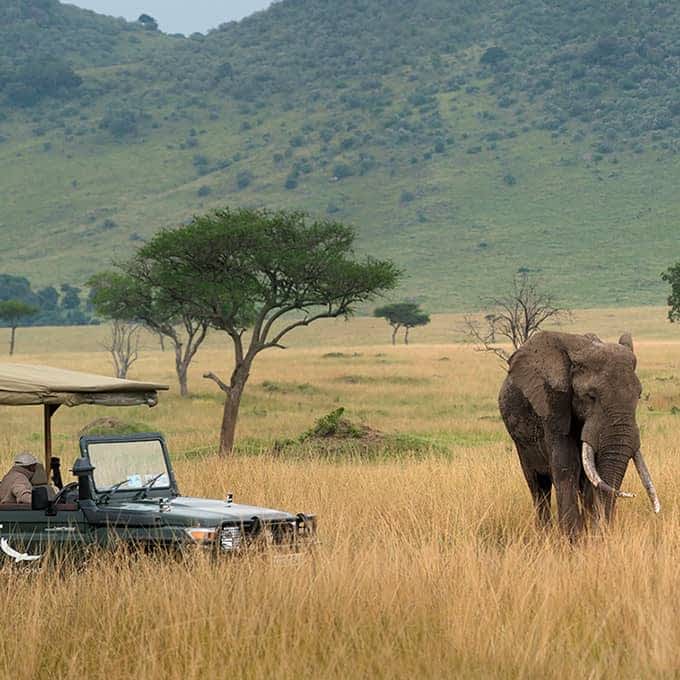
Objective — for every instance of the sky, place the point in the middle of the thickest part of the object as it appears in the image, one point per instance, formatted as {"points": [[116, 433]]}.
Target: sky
{"points": [[177, 16]]}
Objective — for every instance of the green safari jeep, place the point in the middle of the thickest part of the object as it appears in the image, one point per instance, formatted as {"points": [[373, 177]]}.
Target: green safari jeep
{"points": [[126, 491], [125, 488]]}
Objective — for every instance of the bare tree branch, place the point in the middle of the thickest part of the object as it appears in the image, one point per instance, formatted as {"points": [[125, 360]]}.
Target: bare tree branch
{"points": [[221, 384], [516, 316], [123, 345]]}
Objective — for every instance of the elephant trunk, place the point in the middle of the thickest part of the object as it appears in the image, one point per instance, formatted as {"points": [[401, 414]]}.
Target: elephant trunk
{"points": [[615, 470], [589, 467]]}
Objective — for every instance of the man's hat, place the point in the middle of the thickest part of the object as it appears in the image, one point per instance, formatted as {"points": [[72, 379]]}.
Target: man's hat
{"points": [[25, 459]]}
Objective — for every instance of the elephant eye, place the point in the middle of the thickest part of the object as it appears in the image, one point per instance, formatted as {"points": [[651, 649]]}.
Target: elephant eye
{"points": [[591, 396]]}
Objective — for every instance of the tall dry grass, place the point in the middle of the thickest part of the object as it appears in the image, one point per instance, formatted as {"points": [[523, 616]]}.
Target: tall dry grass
{"points": [[429, 565]]}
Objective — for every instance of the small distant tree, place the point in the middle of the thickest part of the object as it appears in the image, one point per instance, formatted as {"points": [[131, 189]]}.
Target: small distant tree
{"points": [[123, 345], [13, 313], [70, 297], [672, 277], [417, 318], [405, 315], [516, 316], [256, 276], [148, 22], [128, 296]]}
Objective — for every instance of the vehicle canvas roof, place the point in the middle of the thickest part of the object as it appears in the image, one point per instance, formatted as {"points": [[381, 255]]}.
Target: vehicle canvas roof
{"points": [[26, 385]]}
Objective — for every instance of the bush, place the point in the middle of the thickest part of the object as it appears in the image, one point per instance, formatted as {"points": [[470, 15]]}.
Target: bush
{"points": [[493, 55], [204, 191], [120, 122], [244, 179], [342, 170]]}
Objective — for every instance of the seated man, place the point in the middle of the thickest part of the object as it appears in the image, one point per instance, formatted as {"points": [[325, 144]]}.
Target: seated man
{"points": [[40, 479], [16, 486]]}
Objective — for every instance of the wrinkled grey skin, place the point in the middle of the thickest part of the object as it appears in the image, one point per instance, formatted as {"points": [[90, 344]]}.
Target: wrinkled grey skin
{"points": [[561, 390]]}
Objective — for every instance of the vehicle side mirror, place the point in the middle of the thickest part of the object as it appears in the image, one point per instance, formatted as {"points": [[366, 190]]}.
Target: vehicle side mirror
{"points": [[39, 498], [82, 469]]}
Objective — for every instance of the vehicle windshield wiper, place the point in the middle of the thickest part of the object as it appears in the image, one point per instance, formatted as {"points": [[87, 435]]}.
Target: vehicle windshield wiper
{"points": [[143, 491], [107, 496]]}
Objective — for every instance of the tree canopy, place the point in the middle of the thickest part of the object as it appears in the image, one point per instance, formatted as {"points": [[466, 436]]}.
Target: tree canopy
{"points": [[402, 315], [672, 277], [263, 272], [125, 296]]}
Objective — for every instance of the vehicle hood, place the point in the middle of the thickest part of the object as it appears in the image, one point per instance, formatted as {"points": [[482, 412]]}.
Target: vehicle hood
{"points": [[188, 511]]}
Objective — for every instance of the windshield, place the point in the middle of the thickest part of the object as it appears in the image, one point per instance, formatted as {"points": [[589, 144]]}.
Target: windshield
{"points": [[131, 465]]}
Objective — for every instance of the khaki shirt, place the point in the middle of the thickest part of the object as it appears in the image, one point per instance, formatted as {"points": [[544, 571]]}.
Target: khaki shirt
{"points": [[16, 487]]}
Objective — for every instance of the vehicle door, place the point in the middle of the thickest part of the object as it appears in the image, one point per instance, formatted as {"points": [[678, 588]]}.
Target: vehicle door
{"points": [[31, 532]]}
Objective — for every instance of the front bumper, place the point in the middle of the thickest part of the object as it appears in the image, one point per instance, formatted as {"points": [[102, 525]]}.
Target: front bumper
{"points": [[294, 534]]}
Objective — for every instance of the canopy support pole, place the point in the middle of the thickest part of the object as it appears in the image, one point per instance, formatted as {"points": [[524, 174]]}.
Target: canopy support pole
{"points": [[48, 411]]}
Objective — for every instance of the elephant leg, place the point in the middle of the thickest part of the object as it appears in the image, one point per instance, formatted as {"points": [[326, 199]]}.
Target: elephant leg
{"points": [[532, 461], [540, 486], [566, 471], [593, 505]]}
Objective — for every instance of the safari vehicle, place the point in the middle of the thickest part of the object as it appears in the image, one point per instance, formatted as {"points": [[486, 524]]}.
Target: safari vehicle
{"points": [[124, 488]]}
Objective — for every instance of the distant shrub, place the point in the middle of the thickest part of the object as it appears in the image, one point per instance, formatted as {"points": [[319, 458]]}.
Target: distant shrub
{"points": [[407, 196], [204, 191], [342, 170], [201, 163], [493, 55], [120, 122], [291, 182], [244, 179]]}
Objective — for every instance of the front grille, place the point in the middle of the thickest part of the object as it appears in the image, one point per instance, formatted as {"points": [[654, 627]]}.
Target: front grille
{"points": [[230, 539]]}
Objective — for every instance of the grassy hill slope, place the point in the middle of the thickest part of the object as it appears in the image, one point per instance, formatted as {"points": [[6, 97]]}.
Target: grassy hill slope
{"points": [[465, 140]]}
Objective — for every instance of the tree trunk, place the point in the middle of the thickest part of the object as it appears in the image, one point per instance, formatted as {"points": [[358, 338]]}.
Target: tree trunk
{"points": [[182, 368], [11, 340], [406, 335], [394, 335], [183, 381], [232, 403]]}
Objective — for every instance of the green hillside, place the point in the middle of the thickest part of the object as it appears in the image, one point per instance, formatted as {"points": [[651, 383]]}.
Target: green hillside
{"points": [[467, 140]]}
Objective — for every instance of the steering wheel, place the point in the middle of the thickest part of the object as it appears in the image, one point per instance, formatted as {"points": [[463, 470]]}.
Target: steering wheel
{"points": [[59, 498]]}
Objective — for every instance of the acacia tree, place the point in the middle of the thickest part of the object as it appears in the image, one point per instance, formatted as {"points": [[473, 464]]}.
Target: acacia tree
{"points": [[672, 276], [256, 276], [125, 296], [402, 314], [13, 313], [516, 316]]}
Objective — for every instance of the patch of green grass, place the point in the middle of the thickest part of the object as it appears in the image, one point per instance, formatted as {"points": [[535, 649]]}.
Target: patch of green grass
{"points": [[289, 388], [353, 379]]}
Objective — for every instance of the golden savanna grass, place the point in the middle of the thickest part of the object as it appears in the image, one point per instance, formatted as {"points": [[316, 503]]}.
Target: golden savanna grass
{"points": [[428, 565]]}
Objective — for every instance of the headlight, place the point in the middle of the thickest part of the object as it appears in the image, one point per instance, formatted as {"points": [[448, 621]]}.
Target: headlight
{"points": [[200, 535]]}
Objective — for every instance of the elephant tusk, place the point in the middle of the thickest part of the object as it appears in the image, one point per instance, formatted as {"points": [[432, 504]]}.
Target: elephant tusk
{"points": [[588, 460], [647, 482]]}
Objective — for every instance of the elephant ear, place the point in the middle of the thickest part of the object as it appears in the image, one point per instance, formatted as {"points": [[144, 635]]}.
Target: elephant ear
{"points": [[627, 341], [541, 368]]}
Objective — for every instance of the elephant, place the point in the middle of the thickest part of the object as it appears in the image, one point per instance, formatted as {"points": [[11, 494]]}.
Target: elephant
{"points": [[568, 403]]}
